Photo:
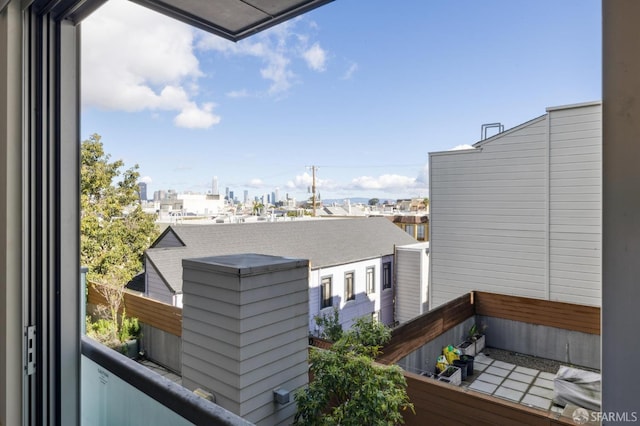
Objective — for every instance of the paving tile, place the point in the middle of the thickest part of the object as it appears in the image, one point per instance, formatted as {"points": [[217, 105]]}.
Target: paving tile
{"points": [[481, 386], [483, 359], [497, 371], [543, 392], [486, 377], [524, 378], [507, 393], [544, 383], [477, 367], [512, 384], [528, 371], [505, 365], [536, 401], [547, 376]]}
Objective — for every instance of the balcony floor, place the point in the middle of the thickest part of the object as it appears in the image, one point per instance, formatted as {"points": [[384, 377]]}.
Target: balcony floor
{"points": [[528, 386]]}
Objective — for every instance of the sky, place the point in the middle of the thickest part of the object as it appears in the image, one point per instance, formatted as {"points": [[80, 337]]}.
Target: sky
{"points": [[362, 90]]}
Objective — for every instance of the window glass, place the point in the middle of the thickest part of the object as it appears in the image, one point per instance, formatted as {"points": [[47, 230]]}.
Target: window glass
{"points": [[325, 293], [386, 275], [371, 280], [349, 286]]}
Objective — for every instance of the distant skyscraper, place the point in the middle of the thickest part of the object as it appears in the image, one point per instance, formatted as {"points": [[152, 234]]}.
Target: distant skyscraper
{"points": [[231, 195], [246, 197], [273, 198], [142, 191], [214, 186], [226, 193]]}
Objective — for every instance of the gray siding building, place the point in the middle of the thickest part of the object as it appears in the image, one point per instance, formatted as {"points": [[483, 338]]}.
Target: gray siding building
{"points": [[520, 213]]}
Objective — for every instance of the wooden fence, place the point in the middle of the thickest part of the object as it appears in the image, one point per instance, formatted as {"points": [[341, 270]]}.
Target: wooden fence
{"points": [[541, 312], [437, 403], [148, 311], [421, 330]]}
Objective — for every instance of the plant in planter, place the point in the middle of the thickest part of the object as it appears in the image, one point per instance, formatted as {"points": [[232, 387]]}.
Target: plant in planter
{"points": [[468, 347], [476, 335], [451, 375]]}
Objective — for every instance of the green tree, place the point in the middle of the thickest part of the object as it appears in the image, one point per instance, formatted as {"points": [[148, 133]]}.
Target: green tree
{"points": [[348, 388], [329, 325], [374, 202], [114, 230]]}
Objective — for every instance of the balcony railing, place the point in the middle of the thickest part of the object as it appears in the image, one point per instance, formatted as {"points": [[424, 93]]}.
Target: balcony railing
{"points": [[118, 391]]}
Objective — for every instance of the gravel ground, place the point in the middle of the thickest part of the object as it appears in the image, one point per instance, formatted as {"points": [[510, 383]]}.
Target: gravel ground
{"points": [[542, 364]]}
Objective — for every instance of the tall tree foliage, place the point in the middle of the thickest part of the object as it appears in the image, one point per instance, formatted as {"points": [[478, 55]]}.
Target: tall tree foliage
{"points": [[114, 230], [348, 388]]}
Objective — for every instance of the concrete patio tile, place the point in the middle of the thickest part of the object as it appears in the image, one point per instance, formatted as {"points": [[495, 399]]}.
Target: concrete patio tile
{"points": [[544, 383], [478, 367], [527, 371], [490, 378], [543, 392], [512, 384], [547, 376], [536, 401], [481, 386], [505, 365], [483, 359], [497, 371], [524, 378], [507, 393]]}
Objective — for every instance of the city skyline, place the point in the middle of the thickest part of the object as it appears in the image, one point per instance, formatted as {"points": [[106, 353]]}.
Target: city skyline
{"points": [[362, 97]]}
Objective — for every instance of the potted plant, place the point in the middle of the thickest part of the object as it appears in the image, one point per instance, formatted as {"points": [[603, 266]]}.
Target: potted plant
{"points": [[476, 336], [129, 337], [467, 347], [451, 375]]}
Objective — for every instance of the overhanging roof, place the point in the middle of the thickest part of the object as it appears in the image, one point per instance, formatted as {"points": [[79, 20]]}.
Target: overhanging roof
{"points": [[232, 19]]}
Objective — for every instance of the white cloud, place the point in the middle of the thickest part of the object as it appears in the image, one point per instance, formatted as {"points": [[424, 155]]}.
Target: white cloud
{"points": [[146, 179], [277, 48], [350, 71], [391, 184], [255, 183], [316, 57], [234, 94], [384, 182], [461, 147], [134, 59], [194, 117]]}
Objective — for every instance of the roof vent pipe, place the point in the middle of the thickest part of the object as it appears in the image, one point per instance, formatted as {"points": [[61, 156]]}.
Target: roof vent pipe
{"points": [[485, 127]]}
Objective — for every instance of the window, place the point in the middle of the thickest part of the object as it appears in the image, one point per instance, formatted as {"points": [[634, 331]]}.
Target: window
{"points": [[326, 299], [349, 286], [420, 236], [386, 275], [410, 229], [371, 279]]}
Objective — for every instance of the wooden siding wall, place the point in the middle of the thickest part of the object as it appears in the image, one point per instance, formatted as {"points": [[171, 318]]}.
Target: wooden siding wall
{"points": [[148, 311], [488, 216], [414, 334], [521, 215], [438, 403], [566, 316], [575, 205]]}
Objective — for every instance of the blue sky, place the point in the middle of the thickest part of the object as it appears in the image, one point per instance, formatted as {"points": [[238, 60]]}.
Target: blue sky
{"points": [[362, 92]]}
